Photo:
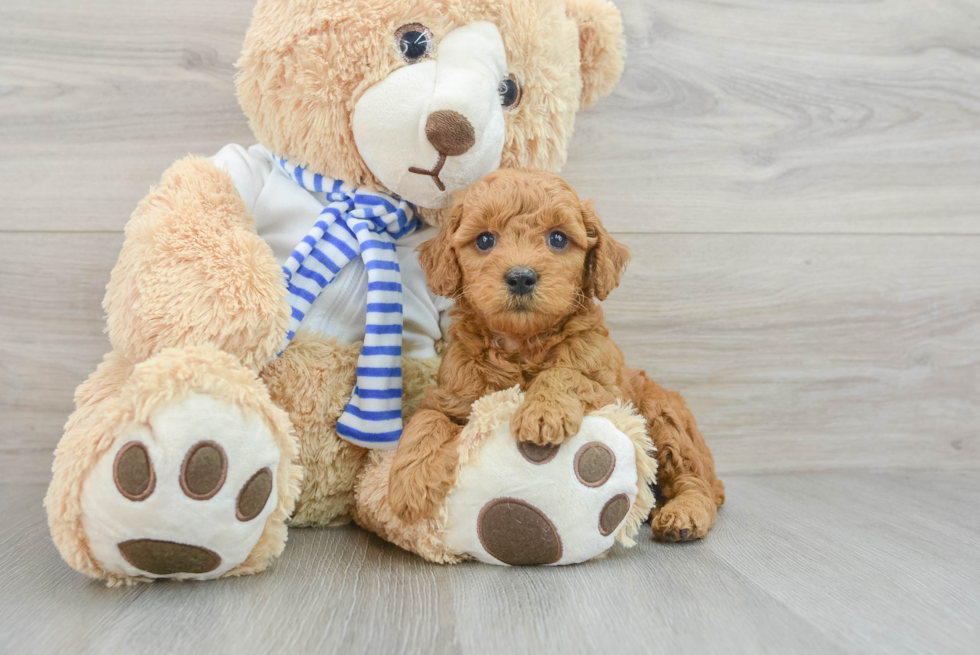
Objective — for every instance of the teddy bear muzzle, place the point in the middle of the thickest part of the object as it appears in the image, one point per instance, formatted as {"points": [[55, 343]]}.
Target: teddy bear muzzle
{"points": [[452, 135], [437, 125]]}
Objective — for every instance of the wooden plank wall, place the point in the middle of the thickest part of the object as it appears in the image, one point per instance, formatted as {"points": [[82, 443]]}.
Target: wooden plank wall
{"points": [[799, 183]]}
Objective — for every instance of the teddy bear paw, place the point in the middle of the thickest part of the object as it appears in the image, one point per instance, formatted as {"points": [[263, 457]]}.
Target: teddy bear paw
{"points": [[185, 495], [521, 503]]}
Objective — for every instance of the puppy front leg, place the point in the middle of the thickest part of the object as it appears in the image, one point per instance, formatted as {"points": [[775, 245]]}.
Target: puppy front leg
{"points": [[424, 467], [554, 406]]}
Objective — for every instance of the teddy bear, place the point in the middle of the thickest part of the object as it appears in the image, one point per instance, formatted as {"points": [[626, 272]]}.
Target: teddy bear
{"points": [[270, 325]]}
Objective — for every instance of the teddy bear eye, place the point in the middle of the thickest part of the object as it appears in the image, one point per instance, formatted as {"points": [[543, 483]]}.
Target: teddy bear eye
{"points": [[485, 242], [558, 240], [510, 92], [414, 42]]}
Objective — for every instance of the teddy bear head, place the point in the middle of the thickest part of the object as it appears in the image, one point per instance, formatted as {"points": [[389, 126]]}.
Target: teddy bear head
{"points": [[421, 98]]}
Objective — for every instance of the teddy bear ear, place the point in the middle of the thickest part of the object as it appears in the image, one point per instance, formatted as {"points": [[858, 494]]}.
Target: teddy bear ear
{"points": [[600, 29]]}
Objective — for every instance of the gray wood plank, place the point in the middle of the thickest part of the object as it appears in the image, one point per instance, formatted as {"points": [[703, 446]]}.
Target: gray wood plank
{"points": [[795, 352], [744, 116], [809, 563], [52, 338], [816, 352], [100, 97], [865, 553], [772, 116]]}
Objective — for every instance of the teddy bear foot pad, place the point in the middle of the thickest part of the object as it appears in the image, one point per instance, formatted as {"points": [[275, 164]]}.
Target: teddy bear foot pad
{"points": [[184, 495], [515, 503], [522, 505]]}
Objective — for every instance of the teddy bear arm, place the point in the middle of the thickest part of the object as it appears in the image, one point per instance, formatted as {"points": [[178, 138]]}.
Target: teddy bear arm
{"points": [[193, 271]]}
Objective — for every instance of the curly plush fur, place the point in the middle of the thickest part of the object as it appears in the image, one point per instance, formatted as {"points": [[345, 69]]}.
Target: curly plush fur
{"points": [[193, 274], [552, 342]]}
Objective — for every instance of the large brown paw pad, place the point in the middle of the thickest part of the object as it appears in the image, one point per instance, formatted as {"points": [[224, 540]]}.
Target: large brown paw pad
{"points": [[168, 557], [517, 533]]}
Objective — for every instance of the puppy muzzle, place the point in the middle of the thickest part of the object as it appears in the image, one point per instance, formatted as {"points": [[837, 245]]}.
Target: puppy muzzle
{"points": [[520, 280]]}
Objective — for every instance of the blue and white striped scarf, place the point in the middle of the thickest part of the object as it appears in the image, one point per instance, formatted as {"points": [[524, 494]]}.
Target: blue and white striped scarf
{"points": [[357, 223]]}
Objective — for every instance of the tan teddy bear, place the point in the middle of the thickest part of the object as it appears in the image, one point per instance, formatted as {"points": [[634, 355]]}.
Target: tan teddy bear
{"points": [[258, 290]]}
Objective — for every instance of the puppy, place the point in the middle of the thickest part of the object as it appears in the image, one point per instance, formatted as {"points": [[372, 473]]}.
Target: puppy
{"points": [[525, 260]]}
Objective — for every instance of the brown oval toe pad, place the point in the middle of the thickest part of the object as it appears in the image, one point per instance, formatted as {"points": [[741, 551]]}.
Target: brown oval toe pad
{"points": [[613, 513], [536, 454], [253, 496], [594, 463], [204, 469], [517, 533], [168, 557], [133, 473]]}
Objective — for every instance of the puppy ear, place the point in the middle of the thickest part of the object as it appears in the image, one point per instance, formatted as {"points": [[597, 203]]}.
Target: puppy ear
{"points": [[438, 259], [600, 29], [605, 261]]}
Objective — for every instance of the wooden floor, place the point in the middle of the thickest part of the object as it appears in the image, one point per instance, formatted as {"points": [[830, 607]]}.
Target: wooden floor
{"points": [[800, 185], [803, 563]]}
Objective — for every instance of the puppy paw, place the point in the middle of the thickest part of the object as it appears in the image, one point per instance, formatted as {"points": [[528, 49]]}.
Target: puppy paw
{"points": [[545, 423], [681, 520]]}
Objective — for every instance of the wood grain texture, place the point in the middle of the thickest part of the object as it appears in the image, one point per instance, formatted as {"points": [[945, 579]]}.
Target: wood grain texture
{"points": [[812, 352], [799, 184], [100, 97], [795, 352], [795, 565], [745, 116], [773, 116]]}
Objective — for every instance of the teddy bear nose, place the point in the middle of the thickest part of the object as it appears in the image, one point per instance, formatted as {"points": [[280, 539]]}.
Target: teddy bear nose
{"points": [[521, 280], [449, 132]]}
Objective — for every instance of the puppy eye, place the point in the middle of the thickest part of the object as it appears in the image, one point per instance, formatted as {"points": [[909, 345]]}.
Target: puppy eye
{"points": [[485, 242], [557, 240], [414, 41], [510, 92]]}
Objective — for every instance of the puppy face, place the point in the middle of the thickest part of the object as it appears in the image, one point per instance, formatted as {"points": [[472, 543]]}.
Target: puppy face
{"points": [[524, 251]]}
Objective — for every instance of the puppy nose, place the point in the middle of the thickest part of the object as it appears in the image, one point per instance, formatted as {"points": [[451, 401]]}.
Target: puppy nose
{"points": [[521, 280], [449, 132]]}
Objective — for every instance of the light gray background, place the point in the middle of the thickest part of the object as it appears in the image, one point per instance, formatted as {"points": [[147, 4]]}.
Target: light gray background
{"points": [[800, 184]]}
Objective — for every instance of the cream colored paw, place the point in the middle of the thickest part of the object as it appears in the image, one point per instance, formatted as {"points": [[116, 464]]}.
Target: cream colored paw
{"points": [[185, 495], [524, 504]]}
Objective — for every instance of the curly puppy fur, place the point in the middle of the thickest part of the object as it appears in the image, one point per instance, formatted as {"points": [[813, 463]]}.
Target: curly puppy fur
{"points": [[552, 341]]}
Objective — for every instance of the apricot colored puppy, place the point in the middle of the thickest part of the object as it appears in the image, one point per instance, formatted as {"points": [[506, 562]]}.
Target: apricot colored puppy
{"points": [[525, 260]]}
